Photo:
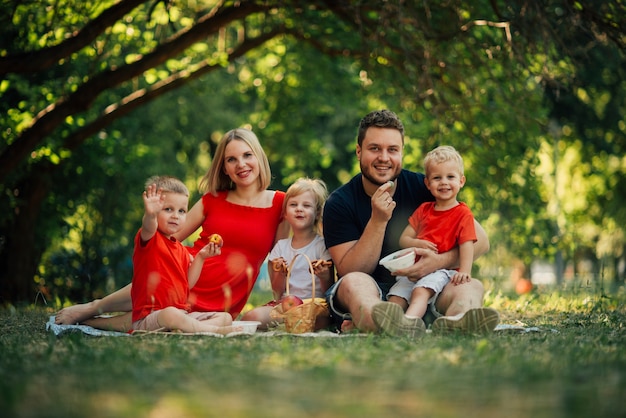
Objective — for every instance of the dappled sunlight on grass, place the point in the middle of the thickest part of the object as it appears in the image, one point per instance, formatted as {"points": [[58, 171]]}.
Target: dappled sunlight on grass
{"points": [[574, 366], [550, 304]]}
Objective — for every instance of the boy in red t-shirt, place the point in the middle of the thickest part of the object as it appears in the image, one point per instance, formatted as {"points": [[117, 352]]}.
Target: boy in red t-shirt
{"points": [[438, 226], [163, 271]]}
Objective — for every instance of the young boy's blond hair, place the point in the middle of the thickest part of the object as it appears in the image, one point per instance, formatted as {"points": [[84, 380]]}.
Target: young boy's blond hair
{"points": [[168, 184], [442, 154]]}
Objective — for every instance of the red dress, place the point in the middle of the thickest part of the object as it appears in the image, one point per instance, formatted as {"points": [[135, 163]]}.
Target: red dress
{"points": [[249, 233], [160, 268]]}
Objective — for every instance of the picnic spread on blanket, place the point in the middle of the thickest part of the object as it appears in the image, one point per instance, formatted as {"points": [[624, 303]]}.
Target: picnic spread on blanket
{"points": [[60, 330]]}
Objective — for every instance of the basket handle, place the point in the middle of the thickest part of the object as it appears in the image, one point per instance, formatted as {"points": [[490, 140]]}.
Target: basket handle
{"points": [[290, 267]]}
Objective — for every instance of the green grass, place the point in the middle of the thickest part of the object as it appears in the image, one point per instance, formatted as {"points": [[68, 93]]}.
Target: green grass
{"points": [[577, 370]]}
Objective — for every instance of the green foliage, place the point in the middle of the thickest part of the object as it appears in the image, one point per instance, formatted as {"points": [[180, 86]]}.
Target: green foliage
{"points": [[307, 124], [532, 94]]}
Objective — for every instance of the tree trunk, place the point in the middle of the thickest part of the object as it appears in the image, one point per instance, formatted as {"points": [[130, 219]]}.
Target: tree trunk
{"points": [[20, 252]]}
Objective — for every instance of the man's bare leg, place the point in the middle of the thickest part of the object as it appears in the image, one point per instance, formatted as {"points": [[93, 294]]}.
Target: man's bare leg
{"points": [[459, 299], [358, 293]]}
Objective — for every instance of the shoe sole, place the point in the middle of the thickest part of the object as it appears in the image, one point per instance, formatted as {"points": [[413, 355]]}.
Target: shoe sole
{"points": [[389, 318], [474, 321]]}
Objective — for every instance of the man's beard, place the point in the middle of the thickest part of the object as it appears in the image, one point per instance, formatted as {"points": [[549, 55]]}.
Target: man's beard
{"points": [[366, 173]]}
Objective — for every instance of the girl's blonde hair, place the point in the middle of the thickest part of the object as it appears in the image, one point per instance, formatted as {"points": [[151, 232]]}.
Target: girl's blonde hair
{"points": [[216, 178], [320, 192], [442, 154], [168, 184]]}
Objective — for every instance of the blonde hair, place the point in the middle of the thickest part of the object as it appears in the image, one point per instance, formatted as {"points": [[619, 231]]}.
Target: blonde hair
{"points": [[442, 154], [168, 184], [216, 178], [317, 188]]}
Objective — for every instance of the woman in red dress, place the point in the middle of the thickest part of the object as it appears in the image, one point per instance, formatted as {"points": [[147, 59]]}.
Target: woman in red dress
{"points": [[236, 205]]}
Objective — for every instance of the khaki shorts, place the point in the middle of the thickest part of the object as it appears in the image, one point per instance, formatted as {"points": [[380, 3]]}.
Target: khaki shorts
{"points": [[435, 281]]}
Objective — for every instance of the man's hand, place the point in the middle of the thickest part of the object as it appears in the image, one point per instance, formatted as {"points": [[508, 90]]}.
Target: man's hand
{"points": [[383, 203], [428, 262]]}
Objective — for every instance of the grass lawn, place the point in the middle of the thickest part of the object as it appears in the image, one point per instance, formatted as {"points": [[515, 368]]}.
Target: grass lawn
{"points": [[574, 367]]}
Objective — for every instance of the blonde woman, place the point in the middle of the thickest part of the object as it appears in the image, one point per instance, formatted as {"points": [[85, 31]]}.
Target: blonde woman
{"points": [[238, 206]]}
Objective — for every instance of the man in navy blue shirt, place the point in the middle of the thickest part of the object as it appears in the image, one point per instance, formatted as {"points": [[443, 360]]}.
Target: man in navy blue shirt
{"points": [[363, 221]]}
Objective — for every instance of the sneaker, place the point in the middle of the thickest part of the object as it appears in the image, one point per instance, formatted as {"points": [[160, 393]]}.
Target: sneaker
{"points": [[389, 318], [474, 321]]}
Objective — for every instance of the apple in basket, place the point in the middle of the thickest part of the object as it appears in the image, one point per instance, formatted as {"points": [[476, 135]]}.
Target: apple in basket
{"points": [[217, 239], [290, 301]]}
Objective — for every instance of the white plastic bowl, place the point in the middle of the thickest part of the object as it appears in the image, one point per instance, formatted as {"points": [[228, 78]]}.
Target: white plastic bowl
{"points": [[398, 260], [249, 327]]}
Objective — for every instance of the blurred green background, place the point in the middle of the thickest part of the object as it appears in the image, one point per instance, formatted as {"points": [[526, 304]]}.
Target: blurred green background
{"points": [[96, 96]]}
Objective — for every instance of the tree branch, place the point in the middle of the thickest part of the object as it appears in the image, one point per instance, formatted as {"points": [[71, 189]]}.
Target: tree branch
{"points": [[143, 96], [42, 59], [80, 100]]}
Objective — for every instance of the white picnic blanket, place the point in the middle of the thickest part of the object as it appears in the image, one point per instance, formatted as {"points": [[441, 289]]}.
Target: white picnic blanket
{"points": [[85, 329]]}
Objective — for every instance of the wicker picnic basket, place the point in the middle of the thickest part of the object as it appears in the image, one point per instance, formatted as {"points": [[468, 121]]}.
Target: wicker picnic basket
{"points": [[301, 318]]}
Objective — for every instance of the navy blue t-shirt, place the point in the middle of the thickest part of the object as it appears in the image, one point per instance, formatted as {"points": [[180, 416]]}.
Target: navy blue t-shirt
{"points": [[349, 208]]}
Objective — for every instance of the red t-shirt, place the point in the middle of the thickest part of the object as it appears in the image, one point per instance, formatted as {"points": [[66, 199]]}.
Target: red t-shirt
{"points": [[249, 233], [160, 268], [446, 228]]}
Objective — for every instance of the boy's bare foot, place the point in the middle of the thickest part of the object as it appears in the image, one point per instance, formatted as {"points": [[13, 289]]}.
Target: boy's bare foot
{"points": [[76, 314]]}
